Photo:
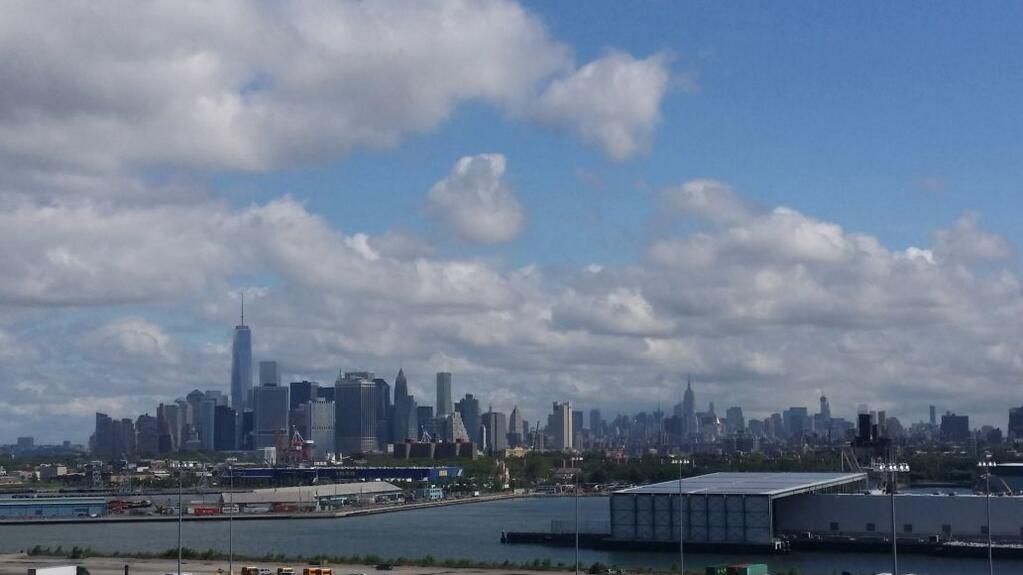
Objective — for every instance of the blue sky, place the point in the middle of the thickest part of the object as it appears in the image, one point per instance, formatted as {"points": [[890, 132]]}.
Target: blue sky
{"points": [[887, 119], [424, 186]]}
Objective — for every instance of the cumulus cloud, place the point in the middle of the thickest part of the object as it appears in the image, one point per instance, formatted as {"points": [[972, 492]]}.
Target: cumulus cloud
{"points": [[763, 312], [92, 92], [708, 200], [476, 202], [613, 102], [965, 241]]}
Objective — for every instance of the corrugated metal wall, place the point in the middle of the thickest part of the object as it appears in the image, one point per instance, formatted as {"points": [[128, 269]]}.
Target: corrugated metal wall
{"points": [[741, 519]]}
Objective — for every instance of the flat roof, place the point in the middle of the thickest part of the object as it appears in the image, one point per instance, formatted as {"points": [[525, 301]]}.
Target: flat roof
{"points": [[757, 483], [307, 493]]}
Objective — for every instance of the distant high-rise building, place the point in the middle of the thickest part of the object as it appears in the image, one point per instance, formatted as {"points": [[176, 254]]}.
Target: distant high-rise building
{"points": [[206, 423], [385, 413], [247, 425], [469, 408], [124, 437], [170, 421], [241, 363], [444, 405], [427, 423], [269, 373], [355, 420], [103, 437], [454, 428], [325, 392], [25, 442], [147, 433], [690, 425], [270, 414], [825, 411], [955, 427], [225, 428], [516, 428], [796, 421], [302, 392], [596, 423], [734, 420], [322, 430], [934, 415], [577, 421], [561, 426], [495, 427], [1015, 428], [405, 423]]}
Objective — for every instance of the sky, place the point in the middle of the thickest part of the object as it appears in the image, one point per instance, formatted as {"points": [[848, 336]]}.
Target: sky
{"points": [[554, 202]]}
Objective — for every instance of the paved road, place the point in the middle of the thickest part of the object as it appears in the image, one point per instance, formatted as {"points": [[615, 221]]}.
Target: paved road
{"points": [[19, 564]]}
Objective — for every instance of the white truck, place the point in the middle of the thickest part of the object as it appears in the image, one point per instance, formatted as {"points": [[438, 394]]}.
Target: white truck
{"points": [[57, 570]]}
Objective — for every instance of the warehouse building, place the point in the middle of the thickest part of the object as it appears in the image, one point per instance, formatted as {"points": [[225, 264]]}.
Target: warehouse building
{"points": [[718, 508], [947, 517], [313, 498], [52, 507]]}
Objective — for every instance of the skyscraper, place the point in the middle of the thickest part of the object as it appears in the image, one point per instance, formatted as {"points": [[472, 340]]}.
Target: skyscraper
{"points": [[270, 414], [302, 392], [495, 427], [689, 423], [385, 413], [427, 424], [241, 363], [469, 408], [405, 424], [355, 421], [103, 437], [934, 416], [269, 373], [225, 428], [561, 426], [444, 406], [596, 423], [516, 428], [322, 432]]}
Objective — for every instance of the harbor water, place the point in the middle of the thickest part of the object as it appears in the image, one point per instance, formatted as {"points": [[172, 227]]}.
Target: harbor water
{"points": [[471, 531]]}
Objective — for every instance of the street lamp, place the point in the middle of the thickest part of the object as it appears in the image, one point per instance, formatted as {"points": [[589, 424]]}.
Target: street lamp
{"points": [[986, 466], [576, 459], [681, 513], [180, 473], [894, 469]]}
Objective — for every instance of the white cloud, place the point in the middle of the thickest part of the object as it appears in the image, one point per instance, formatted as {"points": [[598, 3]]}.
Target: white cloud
{"points": [[476, 202], [613, 102], [708, 200], [965, 241]]}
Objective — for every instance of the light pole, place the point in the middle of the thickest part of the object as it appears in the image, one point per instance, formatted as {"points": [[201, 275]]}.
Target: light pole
{"points": [[180, 472], [681, 513], [230, 527], [575, 496], [894, 469], [986, 465]]}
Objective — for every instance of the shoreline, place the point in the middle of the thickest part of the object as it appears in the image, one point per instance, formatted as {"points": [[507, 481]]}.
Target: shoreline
{"points": [[263, 516]]}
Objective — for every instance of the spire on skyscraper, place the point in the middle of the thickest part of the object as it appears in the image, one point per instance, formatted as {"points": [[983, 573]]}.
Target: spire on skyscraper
{"points": [[243, 309]]}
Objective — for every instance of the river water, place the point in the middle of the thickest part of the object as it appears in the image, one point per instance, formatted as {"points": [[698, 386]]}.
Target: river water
{"points": [[469, 531]]}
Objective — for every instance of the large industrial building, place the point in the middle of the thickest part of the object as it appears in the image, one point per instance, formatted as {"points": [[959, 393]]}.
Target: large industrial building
{"points": [[52, 507], [755, 509], [719, 508]]}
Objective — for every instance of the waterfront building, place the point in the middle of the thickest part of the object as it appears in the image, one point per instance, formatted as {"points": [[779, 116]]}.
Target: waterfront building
{"points": [[355, 420], [241, 363], [561, 426], [469, 409], [444, 405], [270, 414]]}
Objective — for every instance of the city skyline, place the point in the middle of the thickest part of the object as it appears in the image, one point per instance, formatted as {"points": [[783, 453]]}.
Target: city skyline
{"points": [[552, 204]]}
